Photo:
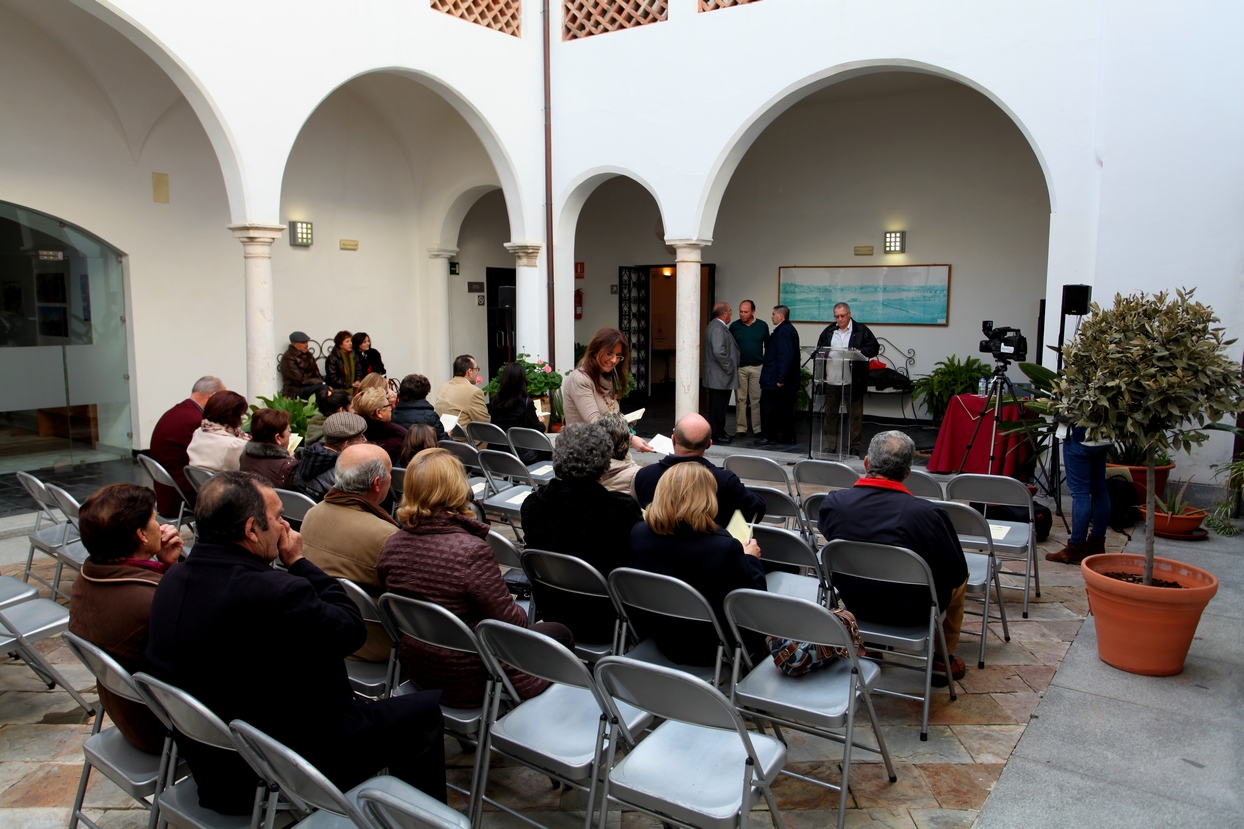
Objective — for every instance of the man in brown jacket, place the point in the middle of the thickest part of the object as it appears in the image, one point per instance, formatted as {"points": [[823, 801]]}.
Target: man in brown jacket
{"points": [[302, 374], [345, 534]]}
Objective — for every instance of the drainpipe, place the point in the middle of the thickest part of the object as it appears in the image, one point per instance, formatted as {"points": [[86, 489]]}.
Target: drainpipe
{"points": [[548, 182]]}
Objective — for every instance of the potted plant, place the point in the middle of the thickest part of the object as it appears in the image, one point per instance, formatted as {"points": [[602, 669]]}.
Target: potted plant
{"points": [[1175, 517], [1152, 371], [948, 378], [541, 378], [1130, 455]]}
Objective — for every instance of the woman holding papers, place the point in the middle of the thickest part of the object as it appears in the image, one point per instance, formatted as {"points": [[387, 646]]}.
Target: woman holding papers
{"points": [[599, 380], [680, 538]]}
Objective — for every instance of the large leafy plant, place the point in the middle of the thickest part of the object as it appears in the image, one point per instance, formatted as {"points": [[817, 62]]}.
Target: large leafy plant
{"points": [[299, 411], [541, 378], [1152, 371], [948, 378]]}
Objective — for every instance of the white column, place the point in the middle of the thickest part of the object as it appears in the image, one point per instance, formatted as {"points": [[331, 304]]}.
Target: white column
{"points": [[531, 319], [688, 326], [434, 341], [261, 356]]}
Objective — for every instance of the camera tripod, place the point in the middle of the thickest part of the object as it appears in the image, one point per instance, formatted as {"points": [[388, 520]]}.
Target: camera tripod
{"points": [[999, 384]]}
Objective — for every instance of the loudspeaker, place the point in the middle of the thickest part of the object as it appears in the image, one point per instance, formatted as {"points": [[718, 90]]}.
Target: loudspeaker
{"points": [[505, 296], [1076, 299]]}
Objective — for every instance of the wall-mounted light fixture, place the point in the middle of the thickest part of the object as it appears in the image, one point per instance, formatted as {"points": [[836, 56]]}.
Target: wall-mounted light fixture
{"points": [[300, 234], [896, 241]]}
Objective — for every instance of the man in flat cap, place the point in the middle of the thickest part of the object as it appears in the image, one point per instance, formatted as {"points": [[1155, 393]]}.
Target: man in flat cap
{"points": [[316, 474], [301, 372]]}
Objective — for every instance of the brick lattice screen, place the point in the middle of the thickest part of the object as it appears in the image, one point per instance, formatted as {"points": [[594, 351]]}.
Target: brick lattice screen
{"points": [[503, 15], [584, 18], [710, 5]]}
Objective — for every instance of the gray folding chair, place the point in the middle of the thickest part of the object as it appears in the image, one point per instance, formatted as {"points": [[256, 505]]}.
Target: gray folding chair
{"points": [[561, 732], [829, 474], [973, 532], [507, 504], [756, 468], [888, 564], [14, 592], [294, 506], [185, 515], [507, 554], [372, 679], [303, 783], [923, 485], [786, 547], [780, 507], [137, 773], [398, 483], [521, 437], [556, 578], [811, 507], [481, 431], [701, 767], [197, 476], [387, 811], [673, 599], [179, 801], [1015, 541], [819, 703], [26, 623], [72, 554], [469, 457], [48, 540]]}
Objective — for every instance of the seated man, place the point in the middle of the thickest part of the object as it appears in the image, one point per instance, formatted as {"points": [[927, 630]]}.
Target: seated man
{"points": [[462, 396], [172, 435], [881, 510], [255, 643], [300, 370], [345, 534], [111, 601], [692, 436], [317, 470]]}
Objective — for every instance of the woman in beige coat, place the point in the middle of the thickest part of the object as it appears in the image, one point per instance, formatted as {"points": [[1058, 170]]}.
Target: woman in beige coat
{"points": [[218, 443]]}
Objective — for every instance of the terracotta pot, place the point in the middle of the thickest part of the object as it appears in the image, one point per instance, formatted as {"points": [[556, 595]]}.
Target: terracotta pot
{"points": [[1160, 474], [555, 427], [1142, 629], [1182, 524]]}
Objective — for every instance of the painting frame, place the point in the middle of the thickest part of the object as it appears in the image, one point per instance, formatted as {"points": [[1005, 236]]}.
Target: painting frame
{"points": [[878, 294]]}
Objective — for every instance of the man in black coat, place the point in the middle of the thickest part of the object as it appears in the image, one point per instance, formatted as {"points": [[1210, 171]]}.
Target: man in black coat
{"points": [[779, 382], [266, 646], [692, 436], [850, 334], [881, 510]]}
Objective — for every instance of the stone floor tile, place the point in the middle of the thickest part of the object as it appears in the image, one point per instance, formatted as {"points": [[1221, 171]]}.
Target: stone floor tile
{"points": [[1029, 630], [1001, 653], [522, 789], [1019, 707], [992, 678], [54, 706], [38, 818], [1051, 608], [943, 818], [49, 785], [905, 745], [960, 786], [11, 771], [865, 819], [799, 795], [41, 743], [872, 789], [1048, 653], [1037, 677], [135, 818], [980, 709], [988, 743]]}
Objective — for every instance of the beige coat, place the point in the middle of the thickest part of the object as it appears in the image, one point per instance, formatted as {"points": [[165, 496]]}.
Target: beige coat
{"points": [[582, 399], [462, 398], [218, 451], [345, 541]]}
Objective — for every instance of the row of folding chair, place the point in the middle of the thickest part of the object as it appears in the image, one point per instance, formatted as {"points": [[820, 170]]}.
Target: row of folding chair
{"points": [[160, 475], [26, 620], [60, 539], [517, 438]]}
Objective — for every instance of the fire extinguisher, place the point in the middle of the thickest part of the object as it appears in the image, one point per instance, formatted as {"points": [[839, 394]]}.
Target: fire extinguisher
{"points": [[578, 304]]}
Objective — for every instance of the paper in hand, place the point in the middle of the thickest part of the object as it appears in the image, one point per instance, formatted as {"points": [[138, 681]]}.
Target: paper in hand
{"points": [[661, 445], [632, 417], [448, 422]]}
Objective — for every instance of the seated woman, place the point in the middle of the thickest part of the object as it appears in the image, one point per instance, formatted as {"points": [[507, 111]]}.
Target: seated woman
{"points": [[267, 452], [374, 407], [329, 404], [111, 601], [368, 356], [622, 469], [342, 368], [680, 538], [377, 381], [440, 555], [418, 437], [413, 406], [217, 444], [511, 406], [575, 515]]}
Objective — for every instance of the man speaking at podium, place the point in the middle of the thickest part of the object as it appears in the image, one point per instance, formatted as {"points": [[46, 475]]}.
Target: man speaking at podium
{"points": [[847, 333]]}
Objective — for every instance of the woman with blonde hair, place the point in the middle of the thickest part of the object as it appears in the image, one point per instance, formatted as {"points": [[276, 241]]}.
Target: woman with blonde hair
{"points": [[441, 555], [679, 537], [377, 381], [373, 406]]}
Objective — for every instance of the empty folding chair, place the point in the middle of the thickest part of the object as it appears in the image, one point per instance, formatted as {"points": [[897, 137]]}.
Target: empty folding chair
{"points": [[73, 553], [304, 784], [1013, 541], [676, 601], [573, 592], [821, 702], [388, 811], [47, 540], [923, 485], [294, 506], [898, 566], [507, 504], [701, 767], [780, 507], [532, 440], [491, 434], [755, 468], [973, 532], [828, 474], [507, 554], [398, 483], [185, 515], [562, 731], [469, 456], [372, 679], [14, 592], [197, 476], [24, 624], [137, 773], [786, 547]]}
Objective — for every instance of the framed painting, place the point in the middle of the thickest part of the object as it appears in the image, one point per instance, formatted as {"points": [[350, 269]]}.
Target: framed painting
{"points": [[877, 294]]}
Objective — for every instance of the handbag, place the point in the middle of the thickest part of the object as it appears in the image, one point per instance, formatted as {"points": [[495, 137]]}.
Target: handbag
{"points": [[798, 658]]}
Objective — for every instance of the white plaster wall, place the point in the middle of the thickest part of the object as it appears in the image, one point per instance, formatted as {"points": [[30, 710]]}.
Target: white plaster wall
{"points": [[480, 246]]}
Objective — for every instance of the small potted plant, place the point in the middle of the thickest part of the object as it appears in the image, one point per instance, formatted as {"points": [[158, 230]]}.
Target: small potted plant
{"points": [[1175, 517], [1152, 371], [541, 379], [948, 378], [1130, 455]]}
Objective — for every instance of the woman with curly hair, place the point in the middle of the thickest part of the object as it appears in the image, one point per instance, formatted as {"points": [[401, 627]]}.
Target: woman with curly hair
{"points": [[342, 368], [599, 380], [217, 444], [622, 469]]}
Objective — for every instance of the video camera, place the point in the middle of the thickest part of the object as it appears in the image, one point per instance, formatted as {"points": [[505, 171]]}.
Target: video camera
{"points": [[1005, 344]]}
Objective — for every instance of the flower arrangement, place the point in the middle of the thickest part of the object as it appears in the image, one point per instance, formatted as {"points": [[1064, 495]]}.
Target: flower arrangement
{"points": [[541, 377]]}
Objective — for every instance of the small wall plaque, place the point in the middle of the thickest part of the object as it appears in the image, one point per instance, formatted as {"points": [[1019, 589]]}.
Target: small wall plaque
{"points": [[349, 244], [863, 250], [475, 287]]}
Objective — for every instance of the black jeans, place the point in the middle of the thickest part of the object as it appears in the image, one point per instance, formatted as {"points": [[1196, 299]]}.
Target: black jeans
{"points": [[718, 399], [777, 412]]}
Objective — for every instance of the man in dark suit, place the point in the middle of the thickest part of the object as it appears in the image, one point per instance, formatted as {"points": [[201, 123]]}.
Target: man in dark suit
{"points": [[721, 370], [266, 646], [172, 435], [849, 334], [691, 438], [779, 382]]}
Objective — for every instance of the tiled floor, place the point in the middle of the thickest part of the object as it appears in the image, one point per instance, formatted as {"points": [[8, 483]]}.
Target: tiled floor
{"points": [[80, 480], [941, 783]]}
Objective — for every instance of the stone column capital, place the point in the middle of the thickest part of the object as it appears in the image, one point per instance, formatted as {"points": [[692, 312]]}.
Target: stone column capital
{"points": [[527, 253], [687, 250], [442, 253], [257, 238]]}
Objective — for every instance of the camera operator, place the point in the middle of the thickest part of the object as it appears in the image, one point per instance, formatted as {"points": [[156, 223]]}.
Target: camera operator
{"points": [[846, 333]]}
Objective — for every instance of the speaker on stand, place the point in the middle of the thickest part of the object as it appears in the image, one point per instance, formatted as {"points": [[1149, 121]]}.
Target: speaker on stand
{"points": [[506, 303]]}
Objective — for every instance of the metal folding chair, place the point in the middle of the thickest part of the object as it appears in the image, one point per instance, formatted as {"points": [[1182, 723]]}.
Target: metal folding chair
{"points": [[786, 547], [811, 507], [888, 564], [973, 533], [185, 515], [372, 679], [521, 437], [294, 506], [819, 703], [388, 811], [198, 476], [72, 554], [701, 768], [557, 578], [508, 555], [507, 503], [398, 483], [829, 474], [923, 485], [481, 431], [1014, 541], [469, 457], [14, 592], [24, 624], [780, 507], [756, 468], [48, 540]]}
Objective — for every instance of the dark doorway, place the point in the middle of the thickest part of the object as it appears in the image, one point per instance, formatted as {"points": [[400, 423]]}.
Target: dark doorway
{"points": [[501, 321]]}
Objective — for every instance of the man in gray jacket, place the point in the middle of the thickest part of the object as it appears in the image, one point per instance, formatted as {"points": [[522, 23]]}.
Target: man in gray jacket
{"points": [[721, 369]]}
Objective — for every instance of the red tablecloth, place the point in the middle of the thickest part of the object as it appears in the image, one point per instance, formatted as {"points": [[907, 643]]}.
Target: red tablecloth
{"points": [[962, 415]]}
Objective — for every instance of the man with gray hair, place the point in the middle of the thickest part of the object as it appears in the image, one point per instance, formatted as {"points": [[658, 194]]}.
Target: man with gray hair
{"points": [[172, 435], [345, 534], [881, 510], [721, 369]]}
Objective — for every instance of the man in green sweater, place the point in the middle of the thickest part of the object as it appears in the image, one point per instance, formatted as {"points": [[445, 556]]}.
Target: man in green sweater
{"points": [[752, 336]]}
